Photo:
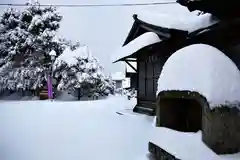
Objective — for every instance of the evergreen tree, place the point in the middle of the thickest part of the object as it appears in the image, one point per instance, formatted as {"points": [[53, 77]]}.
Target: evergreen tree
{"points": [[79, 72], [26, 39]]}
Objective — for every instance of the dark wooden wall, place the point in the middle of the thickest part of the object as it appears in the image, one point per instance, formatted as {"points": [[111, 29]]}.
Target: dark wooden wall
{"points": [[133, 79], [133, 82], [233, 52], [149, 68]]}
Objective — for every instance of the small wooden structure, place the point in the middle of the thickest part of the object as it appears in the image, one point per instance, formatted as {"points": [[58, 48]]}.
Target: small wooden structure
{"points": [[43, 95], [150, 60]]}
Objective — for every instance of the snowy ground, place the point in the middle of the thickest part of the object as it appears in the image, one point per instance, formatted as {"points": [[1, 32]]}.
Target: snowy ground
{"points": [[97, 130], [87, 130], [186, 146]]}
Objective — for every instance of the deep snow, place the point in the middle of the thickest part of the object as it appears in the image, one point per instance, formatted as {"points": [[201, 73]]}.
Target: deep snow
{"points": [[98, 130], [45, 130]]}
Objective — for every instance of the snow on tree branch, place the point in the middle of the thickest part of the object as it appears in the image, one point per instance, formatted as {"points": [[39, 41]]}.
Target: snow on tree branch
{"points": [[26, 39], [79, 71]]}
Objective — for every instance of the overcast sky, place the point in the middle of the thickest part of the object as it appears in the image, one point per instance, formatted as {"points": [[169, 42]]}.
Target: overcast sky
{"points": [[103, 29]]}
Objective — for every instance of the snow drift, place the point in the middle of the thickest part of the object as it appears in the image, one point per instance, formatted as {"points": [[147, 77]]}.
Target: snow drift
{"points": [[86, 130], [204, 69]]}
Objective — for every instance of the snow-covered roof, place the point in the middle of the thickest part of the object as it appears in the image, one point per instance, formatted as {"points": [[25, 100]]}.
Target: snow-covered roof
{"points": [[204, 69], [135, 45], [186, 146], [188, 23], [118, 76]]}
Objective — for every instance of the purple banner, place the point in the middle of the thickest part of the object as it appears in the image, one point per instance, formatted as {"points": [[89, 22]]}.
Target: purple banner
{"points": [[49, 85]]}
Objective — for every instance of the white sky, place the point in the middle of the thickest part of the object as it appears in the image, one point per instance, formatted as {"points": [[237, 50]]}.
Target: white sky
{"points": [[103, 29]]}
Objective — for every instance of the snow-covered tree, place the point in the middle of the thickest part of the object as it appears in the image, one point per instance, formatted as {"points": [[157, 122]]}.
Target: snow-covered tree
{"points": [[26, 39], [78, 71], [28, 33]]}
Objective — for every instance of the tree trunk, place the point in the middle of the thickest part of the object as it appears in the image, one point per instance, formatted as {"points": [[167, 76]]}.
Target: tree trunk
{"points": [[23, 93]]}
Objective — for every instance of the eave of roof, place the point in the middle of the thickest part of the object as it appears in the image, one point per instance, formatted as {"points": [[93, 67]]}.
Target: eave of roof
{"points": [[134, 55], [162, 32]]}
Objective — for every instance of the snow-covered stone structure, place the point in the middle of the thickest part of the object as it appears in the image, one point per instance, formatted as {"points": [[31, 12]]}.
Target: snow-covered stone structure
{"points": [[199, 89], [202, 68]]}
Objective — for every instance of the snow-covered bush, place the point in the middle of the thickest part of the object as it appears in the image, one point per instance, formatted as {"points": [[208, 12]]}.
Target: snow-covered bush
{"points": [[130, 93], [79, 72], [110, 85], [119, 91]]}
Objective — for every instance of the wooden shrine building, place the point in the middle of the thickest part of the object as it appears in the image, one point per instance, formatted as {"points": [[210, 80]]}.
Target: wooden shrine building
{"points": [[150, 60], [220, 33]]}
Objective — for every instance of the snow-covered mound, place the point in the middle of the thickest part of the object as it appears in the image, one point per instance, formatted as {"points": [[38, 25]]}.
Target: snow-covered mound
{"points": [[135, 45], [204, 69], [187, 23]]}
